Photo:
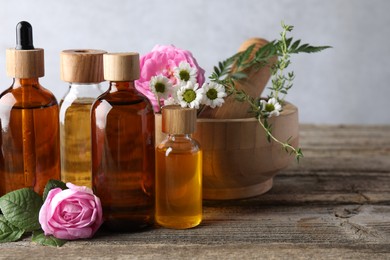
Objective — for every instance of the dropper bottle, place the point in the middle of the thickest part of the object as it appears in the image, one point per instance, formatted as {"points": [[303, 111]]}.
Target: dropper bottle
{"points": [[83, 69], [29, 136]]}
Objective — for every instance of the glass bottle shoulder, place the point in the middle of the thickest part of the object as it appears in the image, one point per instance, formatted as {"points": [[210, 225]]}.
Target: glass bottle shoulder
{"points": [[27, 94], [79, 97], [123, 99], [82, 93], [179, 144]]}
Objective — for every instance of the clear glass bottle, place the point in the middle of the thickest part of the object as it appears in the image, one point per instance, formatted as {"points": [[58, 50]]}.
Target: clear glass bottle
{"points": [[122, 124], [83, 69], [178, 171], [29, 132]]}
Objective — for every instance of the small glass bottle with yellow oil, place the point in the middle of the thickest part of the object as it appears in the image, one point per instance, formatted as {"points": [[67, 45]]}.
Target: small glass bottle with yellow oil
{"points": [[123, 158], [29, 134], [178, 171], [83, 69]]}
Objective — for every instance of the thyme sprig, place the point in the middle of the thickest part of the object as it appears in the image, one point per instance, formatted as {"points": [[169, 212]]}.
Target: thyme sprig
{"points": [[233, 69]]}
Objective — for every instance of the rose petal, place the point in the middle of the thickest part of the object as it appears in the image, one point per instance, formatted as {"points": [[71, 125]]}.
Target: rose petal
{"points": [[45, 211], [86, 232], [79, 188]]}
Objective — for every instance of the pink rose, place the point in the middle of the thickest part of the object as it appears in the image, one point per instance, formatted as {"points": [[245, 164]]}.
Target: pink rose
{"points": [[71, 214], [161, 61]]}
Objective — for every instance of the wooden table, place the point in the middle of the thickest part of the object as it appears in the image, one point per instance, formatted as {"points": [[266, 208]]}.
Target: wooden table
{"points": [[334, 204]]}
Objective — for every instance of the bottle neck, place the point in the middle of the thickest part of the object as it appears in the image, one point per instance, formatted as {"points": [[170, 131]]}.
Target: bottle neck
{"points": [[116, 86], [85, 89], [18, 82], [178, 137]]}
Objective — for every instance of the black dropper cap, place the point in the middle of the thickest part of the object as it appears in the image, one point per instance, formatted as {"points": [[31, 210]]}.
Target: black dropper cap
{"points": [[24, 61], [24, 36]]}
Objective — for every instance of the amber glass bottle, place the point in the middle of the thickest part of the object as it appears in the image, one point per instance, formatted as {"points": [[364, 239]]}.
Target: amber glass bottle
{"points": [[122, 133], [178, 171], [83, 69], [29, 134]]}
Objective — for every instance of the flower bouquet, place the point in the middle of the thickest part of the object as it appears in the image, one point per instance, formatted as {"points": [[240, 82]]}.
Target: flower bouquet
{"points": [[246, 139]]}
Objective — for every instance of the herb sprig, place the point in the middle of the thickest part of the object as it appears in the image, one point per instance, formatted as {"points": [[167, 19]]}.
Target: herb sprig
{"points": [[233, 69]]}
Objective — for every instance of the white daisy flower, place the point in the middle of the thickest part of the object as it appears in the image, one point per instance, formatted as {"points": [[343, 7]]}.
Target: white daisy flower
{"points": [[213, 94], [190, 95], [270, 108], [161, 86], [185, 72]]}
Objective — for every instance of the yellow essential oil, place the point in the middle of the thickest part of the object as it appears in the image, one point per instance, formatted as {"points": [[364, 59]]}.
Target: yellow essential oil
{"points": [[75, 129], [178, 171], [83, 69]]}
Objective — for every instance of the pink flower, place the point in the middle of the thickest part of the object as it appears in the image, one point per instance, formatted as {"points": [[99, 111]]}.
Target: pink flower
{"points": [[162, 60], [71, 214]]}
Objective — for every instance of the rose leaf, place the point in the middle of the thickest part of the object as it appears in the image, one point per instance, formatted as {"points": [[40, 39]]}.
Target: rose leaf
{"points": [[21, 208], [51, 184], [8, 232], [39, 237]]}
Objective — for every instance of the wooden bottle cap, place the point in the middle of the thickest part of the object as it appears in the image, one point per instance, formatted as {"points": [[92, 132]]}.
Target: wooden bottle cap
{"points": [[121, 66], [82, 66], [178, 120], [25, 63]]}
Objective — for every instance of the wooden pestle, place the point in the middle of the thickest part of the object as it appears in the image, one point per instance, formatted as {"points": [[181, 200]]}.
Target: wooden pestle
{"points": [[253, 85]]}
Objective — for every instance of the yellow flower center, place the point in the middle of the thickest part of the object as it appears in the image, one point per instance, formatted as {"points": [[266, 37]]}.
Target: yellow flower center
{"points": [[189, 95], [184, 75], [212, 94], [269, 107], [160, 87]]}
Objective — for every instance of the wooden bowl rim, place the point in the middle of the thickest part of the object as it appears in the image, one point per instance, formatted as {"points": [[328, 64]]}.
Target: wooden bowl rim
{"points": [[288, 109]]}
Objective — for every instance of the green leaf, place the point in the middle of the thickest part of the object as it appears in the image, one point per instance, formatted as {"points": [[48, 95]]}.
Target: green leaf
{"points": [[51, 184], [39, 237], [288, 42], [220, 66], [295, 44], [8, 232], [216, 70], [306, 48], [265, 50], [239, 75], [241, 96], [268, 137], [245, 55], [21, 208]]}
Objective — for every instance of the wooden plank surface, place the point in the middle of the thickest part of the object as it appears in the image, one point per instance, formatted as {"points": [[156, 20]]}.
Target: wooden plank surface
{"points": [[334, 204]]}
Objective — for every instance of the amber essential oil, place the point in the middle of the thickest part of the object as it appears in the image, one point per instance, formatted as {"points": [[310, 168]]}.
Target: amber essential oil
{"points": [[178, 186], [29, 137]]}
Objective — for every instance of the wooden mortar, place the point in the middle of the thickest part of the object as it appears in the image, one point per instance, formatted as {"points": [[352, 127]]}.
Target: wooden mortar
{"points": [[238, 161]]}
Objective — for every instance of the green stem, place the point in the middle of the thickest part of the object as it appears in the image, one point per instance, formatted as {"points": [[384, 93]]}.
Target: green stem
{"points": [[298, 154], [287, 146]]}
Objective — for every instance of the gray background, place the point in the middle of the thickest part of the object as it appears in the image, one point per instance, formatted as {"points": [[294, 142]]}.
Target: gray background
{"points": [[345, 85]]}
